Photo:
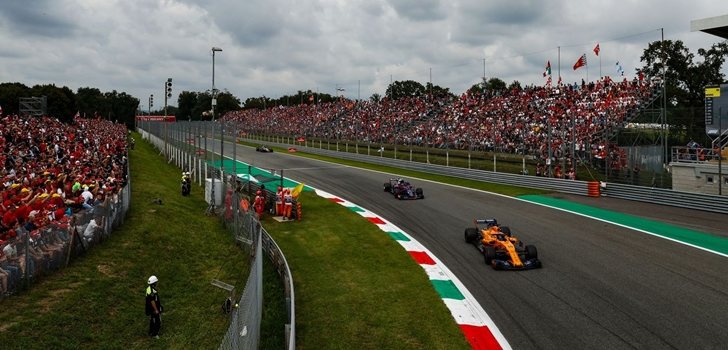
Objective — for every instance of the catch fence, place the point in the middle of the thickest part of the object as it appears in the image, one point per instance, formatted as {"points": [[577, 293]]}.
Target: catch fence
{"points": [[37, 251], [190, 146]]}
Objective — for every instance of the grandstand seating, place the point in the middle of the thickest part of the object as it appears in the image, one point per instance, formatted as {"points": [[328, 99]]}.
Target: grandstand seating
{"points": [[53, 174], [513, 121]]}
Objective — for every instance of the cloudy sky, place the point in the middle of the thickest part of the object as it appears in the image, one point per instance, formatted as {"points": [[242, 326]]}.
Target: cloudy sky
{"points": [[276, 47]]}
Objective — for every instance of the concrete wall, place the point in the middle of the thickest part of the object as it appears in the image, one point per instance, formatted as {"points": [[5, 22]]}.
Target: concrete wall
{"points": [[694, 177]]}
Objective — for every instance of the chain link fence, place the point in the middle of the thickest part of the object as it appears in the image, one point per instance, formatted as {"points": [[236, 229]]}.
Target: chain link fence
{"points": [[190, 146], [39, 251]]}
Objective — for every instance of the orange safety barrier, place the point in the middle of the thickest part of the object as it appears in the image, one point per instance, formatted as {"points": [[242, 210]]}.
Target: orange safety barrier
{"points": [[299, 212], [593, 189]]}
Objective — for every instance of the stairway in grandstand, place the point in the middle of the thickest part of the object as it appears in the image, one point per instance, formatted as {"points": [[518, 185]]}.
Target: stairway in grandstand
{"points": [[720, 143], [610, 133]]}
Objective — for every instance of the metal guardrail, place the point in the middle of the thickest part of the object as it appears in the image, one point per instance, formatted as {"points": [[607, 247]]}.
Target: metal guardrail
{"points": [[154, 133], [577, 187], [698, 201]]}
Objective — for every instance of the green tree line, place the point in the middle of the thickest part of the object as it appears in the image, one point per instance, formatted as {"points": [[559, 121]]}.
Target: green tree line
{"points": [[63, 103], [686, 77]]}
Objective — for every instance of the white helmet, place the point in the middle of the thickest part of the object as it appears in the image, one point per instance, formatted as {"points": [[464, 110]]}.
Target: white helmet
{"points": [[153, 279]]}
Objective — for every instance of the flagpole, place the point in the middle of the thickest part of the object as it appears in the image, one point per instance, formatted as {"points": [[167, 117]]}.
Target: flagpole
{"points": [[559, 48], [600, 66]]}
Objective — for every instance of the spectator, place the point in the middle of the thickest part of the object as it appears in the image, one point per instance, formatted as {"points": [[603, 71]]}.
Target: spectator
{"points": [[516, 121]]}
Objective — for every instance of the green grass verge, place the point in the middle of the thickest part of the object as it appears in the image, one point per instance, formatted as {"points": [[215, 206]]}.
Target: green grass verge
{"points": [[354, 284], [98, 301], [356, 287], [485, 186]]}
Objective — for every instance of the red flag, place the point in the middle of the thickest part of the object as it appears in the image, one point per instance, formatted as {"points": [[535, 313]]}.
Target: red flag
{"points": [[596, 49], [310, 98], [581, 62]]}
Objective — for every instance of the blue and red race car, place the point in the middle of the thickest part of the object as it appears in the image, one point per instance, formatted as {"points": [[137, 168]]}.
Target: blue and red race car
{"points": [[403, 189]]}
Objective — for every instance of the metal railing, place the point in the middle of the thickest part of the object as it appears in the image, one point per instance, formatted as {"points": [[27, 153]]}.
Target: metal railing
{"points": [[173, 140], [689, 200], [34, 253], [566, 186], [706, 202]]}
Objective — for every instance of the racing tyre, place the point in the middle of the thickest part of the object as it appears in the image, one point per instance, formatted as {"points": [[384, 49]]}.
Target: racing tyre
{"points": [[471, 235], [489, 255], [506, 230], [418, 193], [387, 187], [531, 252]]}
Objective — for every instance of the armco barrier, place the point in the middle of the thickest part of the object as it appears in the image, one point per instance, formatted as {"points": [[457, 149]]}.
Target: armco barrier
{"points": [[705, 202], [712, 203], [244, 329], [566, 186]]}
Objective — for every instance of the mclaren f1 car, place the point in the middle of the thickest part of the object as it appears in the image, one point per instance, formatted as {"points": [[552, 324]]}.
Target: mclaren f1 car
{"points": [[500, 249], [402, 189]]}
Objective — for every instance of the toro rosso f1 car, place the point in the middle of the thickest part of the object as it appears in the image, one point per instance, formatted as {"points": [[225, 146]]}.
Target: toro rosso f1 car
{"points": [[402, 189], [500, 249]]}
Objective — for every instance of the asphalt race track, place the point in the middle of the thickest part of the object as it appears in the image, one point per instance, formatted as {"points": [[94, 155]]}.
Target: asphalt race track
{"points": [[602, 286]]}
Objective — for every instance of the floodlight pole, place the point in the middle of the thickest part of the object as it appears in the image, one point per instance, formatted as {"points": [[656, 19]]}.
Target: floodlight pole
{"points": [[720, 151], [211, 207]]}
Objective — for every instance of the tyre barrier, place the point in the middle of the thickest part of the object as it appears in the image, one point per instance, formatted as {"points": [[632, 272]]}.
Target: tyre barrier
{"points": [[593, 189]]}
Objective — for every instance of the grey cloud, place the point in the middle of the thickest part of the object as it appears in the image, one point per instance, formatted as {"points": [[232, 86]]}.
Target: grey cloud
{"points": [[419, 10], [40, 18], [276, 47]]}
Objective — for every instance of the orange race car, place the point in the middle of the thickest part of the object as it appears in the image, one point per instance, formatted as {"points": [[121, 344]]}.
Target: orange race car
{"points": [[500, 249]]}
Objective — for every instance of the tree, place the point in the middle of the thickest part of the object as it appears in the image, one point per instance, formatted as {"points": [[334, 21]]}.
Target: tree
{"points": [[226, 102], [89, 101], [10, 94], [123, 107], [203, 106], [685, 79], [186, 104], [375, 97], [60, 101], [477, 88], [407, 88], [438, 91], [495, 84], [515, 85]]}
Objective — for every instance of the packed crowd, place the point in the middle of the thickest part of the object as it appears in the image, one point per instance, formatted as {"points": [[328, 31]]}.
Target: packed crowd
{"points": [[521, 121], [53, 173]]}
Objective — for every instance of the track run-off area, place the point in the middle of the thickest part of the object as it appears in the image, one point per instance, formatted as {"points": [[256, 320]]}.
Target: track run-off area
{"points": [[616, 275]]}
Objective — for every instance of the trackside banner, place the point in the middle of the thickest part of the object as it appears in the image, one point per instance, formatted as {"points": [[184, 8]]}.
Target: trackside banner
{"points": [[156, 118]]}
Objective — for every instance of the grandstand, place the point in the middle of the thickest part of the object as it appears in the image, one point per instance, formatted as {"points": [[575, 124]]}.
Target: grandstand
{"points": [[543, 122], [56, 178]]}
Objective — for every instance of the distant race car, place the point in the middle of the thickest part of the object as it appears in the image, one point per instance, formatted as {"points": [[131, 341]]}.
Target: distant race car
{"points": [[403, 190], [264, 149], [500, 249]]}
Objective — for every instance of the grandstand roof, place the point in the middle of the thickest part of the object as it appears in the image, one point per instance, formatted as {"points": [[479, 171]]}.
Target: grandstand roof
{"points": [[711, 25]]}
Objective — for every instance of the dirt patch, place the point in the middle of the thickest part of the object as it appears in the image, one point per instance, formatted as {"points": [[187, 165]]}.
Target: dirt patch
{"points": [[105, 269], [6, 326], [45, 304]]}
